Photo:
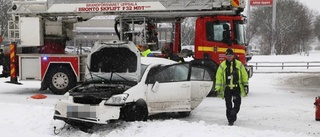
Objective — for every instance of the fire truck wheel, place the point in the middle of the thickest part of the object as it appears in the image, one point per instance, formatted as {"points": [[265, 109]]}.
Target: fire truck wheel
{"points": [[61, 80]]}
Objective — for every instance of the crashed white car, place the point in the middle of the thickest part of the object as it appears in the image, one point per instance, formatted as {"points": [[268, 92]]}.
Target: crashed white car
{"points": [[123, 85]]}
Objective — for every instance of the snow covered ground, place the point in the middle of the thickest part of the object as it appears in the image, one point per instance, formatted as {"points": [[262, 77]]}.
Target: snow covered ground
{"points": [[278, 105]]}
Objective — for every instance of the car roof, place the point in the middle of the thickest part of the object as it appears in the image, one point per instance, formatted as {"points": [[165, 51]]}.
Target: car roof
{"points": [[156, 60]]}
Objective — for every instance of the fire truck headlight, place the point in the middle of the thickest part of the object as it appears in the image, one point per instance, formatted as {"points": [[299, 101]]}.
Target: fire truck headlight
{"points": [[44, 58]]}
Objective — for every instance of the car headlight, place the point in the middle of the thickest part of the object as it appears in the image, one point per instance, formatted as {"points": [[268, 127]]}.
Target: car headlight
{"points": [[117, 99]]}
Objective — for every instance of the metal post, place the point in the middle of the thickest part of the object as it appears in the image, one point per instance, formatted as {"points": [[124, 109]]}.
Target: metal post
{"points": [[274, 14], [13, 64], [248, 20], [145, 31], [133, 32], [177, 37], [121, 29]]}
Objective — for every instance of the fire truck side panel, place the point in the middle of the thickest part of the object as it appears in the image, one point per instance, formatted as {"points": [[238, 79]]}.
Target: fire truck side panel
{"points": [[37, 66], [29, 67], [47, 61], [31, 32]]}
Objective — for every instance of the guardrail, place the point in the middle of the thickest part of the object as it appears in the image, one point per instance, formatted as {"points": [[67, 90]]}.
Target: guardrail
{"points": [[301, 64]]}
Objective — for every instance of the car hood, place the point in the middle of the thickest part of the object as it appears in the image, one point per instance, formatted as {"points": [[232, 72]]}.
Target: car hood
{"points": [[113, 61]]}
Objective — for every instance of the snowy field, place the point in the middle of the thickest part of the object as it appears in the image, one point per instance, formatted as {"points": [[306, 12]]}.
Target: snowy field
{"points": [[278, 105]]}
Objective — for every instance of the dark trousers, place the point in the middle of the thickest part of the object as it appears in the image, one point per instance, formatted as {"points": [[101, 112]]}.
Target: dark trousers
{"points": [[232, 95]]}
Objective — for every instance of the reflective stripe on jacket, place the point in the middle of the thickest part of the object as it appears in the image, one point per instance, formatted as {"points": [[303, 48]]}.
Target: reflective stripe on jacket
{"points": [[147, 53], [221, 78]]}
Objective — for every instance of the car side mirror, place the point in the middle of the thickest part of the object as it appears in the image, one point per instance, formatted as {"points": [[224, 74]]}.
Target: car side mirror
{"points": [[155, 87]]}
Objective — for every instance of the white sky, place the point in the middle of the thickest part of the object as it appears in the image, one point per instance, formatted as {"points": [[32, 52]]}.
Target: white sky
{"points": [[312, 4]]}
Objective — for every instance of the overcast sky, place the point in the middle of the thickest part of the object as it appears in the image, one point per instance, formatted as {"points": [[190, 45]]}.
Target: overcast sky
{"points": [[312, 4]]}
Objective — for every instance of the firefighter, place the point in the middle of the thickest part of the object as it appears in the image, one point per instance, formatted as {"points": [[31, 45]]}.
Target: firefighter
{"points": [[231, 84], [168, 53], [1, 56], [4, 63], [226, 34], [145, 51]]}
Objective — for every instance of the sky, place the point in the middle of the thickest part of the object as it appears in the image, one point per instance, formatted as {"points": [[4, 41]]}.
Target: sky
{"points": [[312, 4]]}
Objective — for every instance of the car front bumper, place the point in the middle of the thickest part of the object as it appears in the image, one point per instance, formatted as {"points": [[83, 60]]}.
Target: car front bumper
{"points": [[66, 110]]}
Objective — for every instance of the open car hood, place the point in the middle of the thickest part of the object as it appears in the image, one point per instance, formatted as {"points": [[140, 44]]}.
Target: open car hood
{"points": [[113, 61]]}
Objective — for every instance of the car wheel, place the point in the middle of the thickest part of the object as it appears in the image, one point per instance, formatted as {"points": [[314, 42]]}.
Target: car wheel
{"points": [[140, 113], [184, 114], [61, 80]]}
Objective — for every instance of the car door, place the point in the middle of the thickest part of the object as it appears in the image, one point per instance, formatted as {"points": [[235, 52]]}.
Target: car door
{"points": [[170, 90], [201, 84]]}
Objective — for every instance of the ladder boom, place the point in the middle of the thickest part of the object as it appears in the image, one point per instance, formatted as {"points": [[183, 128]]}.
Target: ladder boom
{"points": [[154, 8]]}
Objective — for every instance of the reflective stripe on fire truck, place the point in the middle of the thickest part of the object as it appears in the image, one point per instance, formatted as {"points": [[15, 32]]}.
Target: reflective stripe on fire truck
{"points": [[235, 3], [212, 49], [204, 48]]}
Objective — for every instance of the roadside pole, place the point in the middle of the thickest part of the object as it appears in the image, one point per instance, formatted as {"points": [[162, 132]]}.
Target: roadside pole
{"points": [[13, 64], [274, 14], [248, 19]]}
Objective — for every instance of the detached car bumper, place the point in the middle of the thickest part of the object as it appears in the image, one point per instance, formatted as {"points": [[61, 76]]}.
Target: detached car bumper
{"points": [[66, 110]]}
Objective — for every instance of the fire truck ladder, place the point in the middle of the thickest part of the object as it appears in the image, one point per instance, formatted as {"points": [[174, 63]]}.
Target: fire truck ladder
{"points": [[145, 8], [13, 28]]}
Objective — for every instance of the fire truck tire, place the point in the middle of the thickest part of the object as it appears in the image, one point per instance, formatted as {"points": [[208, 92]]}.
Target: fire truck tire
{"points": [[61, 80]]}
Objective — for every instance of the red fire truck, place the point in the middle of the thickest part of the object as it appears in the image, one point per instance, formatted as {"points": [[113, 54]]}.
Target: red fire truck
{"points": [[39, 30]]}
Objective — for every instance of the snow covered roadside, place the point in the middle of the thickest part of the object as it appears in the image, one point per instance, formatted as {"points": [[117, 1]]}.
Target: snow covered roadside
{"points": [[36, 121]]}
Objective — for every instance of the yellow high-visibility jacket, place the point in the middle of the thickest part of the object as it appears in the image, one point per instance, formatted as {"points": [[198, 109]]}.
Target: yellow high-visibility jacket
{"points": [[221, 78]]}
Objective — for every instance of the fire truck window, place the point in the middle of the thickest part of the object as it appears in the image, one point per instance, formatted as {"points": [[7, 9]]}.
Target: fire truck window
{"points": [[215, 31], [239, 33]]}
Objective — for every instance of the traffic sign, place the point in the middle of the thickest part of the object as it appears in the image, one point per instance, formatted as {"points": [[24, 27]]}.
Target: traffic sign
{"points": [[261, 2]]}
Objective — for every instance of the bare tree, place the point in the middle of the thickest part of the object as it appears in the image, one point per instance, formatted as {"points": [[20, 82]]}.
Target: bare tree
{"points": [[4, 17], [293, 27]]}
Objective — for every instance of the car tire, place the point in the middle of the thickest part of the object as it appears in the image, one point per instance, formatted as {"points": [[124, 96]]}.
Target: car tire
{"points": [[61, 80], [184, 114], [140, 113]]}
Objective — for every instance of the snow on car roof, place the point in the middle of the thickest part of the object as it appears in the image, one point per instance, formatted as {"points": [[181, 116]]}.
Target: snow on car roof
{"points": [[156, 60]]}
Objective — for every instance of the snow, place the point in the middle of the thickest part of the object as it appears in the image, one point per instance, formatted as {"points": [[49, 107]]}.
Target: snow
{"points": [[278, 105]]}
